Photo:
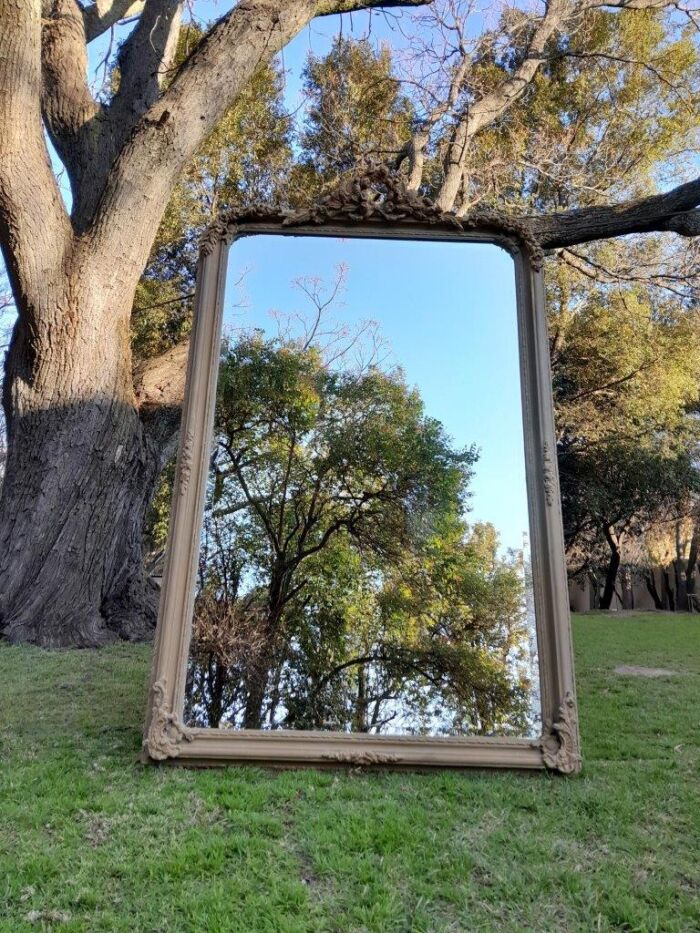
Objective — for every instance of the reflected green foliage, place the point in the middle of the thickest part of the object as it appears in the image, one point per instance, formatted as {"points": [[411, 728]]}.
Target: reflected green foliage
{"points": [[339, 585]]}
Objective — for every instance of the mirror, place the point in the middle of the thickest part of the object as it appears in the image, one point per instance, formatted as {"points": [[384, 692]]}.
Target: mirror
{"points": [[364, 555], [365, 562]]}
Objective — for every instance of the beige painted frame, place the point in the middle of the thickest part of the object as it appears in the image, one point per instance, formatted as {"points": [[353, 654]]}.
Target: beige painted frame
{"points": [[373, 204]]}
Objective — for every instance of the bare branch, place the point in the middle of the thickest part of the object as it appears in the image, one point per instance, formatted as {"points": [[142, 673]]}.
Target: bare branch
{"points": [[103, 14], [630, 4], [331, 7], [679, 277]]}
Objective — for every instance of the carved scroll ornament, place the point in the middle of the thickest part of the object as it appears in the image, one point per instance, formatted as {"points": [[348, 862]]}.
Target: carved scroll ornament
{"points": [[165, 732], [559, 742], [186, 462], [376, 194], [548, 474], [359, 759]]}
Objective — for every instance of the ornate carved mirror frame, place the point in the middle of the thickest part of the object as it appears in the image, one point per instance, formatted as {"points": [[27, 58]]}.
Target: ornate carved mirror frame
{"points": [[372, 204]]}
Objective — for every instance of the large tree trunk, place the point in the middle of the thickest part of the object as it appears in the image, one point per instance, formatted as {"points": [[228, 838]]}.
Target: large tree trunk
{"points": [[79, 477]]}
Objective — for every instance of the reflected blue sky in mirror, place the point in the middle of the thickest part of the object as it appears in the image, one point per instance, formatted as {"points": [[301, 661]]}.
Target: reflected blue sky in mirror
{"points": [[448, 314]]}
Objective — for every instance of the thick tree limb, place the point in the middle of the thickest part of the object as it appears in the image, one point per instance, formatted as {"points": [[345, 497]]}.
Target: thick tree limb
{"points": [[159, 388], [168, 135], [160, 382], [672, 211], [685, 224], [103, 14], [35, 232], [143, 61], [68, 106], [483, 112], [415, 149]]}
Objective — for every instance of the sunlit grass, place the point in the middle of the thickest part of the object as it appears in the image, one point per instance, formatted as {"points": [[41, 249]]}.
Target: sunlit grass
{"points": [[92, 840]]}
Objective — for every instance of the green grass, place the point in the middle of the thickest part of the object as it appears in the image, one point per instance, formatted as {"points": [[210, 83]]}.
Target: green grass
{"points": [[92, 840]]}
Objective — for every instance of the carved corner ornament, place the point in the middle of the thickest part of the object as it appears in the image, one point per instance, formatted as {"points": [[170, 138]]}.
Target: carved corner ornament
{"points": [[375, 193], [165, 732], [559, 742]]}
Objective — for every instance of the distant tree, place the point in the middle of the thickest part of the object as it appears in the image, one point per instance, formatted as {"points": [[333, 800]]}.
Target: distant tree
{"points": [[615, 491], [626, 374], [665, 556]]}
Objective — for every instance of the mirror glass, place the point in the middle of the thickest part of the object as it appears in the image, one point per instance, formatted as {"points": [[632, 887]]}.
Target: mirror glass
{"points": [[364, 560]]}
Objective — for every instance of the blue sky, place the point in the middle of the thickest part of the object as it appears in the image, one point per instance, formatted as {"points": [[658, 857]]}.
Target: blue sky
{"points": [[448, 312]]}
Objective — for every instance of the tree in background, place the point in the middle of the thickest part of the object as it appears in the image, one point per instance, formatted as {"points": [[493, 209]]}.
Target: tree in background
{"points": [[355, 108], [597, 119], [615, 492], [88, 426], [626, 376]]}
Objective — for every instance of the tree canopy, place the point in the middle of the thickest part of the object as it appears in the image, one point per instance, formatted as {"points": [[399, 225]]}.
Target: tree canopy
{"points": [[339, 583]]}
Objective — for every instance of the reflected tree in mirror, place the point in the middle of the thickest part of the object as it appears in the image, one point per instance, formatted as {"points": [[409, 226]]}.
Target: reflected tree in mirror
{"points": [[340, 585]]}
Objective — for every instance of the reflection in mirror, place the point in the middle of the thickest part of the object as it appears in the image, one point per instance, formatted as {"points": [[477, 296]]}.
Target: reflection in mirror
{"points": [[364, 560]]}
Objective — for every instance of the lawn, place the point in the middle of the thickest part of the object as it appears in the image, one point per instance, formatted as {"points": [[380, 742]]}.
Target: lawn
{"points": [[92, 840]]}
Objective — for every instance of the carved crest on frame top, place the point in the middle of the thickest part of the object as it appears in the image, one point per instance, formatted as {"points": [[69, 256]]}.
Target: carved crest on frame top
{"points": [[376, 194]]}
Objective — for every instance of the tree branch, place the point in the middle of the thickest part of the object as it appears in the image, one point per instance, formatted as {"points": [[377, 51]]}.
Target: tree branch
{"points": [[669, 212], [143, 61], [68, 106], [169, 133], [331, 7], [35, 231], [484, 112], [160, 381], [159, 388], [103, 14]]}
